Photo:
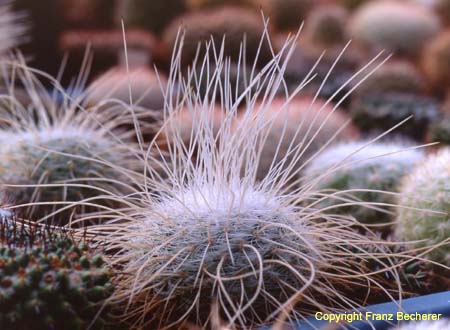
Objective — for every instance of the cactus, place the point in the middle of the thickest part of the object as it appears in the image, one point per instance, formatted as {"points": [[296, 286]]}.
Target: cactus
{"points": [[213, 237], [48, 280], [287, 14], [363, 177], [435, 61], [424, 193], [396, 76], [380, 112], [326, 25], [440, 130], [399, 27], [442, 324], [94, 14], [152, 15], [299, 125], [200, 4], [233, 23], [50, 151]]}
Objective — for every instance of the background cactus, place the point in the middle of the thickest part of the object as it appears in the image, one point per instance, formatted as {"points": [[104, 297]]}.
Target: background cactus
{"points": [[151, 15], [48, 280], [379, 112], [94, 14], [399, 27], [300, 124], [286, 14], [394, 76], [52, 149], [199, 4], [424, 201], [232, 22], [362, 177], [436, 63]]}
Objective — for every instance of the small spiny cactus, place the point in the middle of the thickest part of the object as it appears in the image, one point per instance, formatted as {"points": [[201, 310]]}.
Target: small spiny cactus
{"points": [[361, 173], [49, 280], [424, 199]]}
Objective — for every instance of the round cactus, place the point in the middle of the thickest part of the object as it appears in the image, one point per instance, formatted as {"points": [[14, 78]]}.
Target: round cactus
{"points": [[214, 237], [400, 27], [287, 14], [151, 15], [233, 23], [304, 123], [424, 200], [396, 76], [48, 280], [51, 150], [363, 176], [380, 112], [436, 64], [326, 25]]}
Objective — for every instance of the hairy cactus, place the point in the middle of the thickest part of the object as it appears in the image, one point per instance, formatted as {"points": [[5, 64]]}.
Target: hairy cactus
{"points": [[233, 23], [52, 150], [362, 177], [152, 15], [435, 61], [303, 123], [380, 112], [215, 237], [424, 198], [397, 26], [326, 25], [287, 14], [48, 280], [396, 76]]}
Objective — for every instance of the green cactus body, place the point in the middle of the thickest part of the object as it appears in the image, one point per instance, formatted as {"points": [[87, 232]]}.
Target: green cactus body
{"points": [[48, 281], [424, 205], [372, 177], [379, 112]]}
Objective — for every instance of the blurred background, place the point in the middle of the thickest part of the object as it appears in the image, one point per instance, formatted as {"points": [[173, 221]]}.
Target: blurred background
{"points": [[415, 81]]}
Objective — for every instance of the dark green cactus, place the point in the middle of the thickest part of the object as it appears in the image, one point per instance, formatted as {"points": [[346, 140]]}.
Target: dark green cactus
{"points": [[50, 281], [380, 112]]}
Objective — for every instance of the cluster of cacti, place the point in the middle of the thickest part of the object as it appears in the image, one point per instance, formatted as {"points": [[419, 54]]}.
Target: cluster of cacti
{"points": [[49, 280], [286, 14], [397, 26], [326, 26], [394, 76], [357, 177], [305, 124], [232, 25], [381, 112], [53, 152], [442, 324], [424, 205], [152, 15], [435, 61]]}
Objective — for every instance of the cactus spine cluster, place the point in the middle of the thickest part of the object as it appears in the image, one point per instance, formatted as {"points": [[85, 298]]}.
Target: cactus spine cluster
{"points": [[424, 197], [50, 281], [361, 173]]}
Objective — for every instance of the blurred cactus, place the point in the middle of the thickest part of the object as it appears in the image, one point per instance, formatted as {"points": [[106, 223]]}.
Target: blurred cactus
{"points": [[400, 27], [363, 174], [93, 14], [287, 14], [151, 15], [200, 4], [50, 281], [299, 127], [424, 205], [326, 25], [440, 130], [396, 76], [233, 23], [436, 62], [12, 28], [374, 113]]}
